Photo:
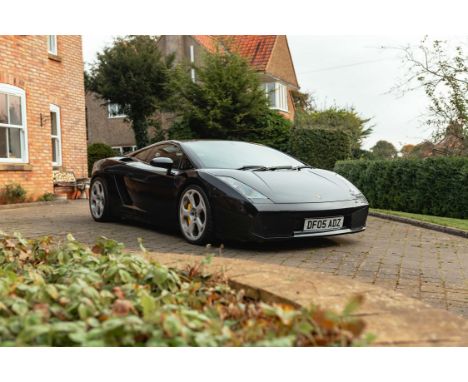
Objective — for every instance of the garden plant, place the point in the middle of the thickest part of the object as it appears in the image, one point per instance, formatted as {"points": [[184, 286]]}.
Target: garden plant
{"points": [[71, 295]]}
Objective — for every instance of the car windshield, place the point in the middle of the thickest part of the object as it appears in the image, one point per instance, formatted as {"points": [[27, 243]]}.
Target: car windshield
{"points": [[238, 155]]}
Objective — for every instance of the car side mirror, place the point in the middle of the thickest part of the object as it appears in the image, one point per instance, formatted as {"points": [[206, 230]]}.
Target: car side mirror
{"points": [[162, 162]]}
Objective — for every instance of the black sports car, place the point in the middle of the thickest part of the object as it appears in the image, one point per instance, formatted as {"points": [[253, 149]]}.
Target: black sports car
{"points": [[228, 189]]}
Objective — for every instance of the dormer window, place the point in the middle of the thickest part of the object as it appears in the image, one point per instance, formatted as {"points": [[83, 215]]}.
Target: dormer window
{"points": [[114, 110], [52, 44]]}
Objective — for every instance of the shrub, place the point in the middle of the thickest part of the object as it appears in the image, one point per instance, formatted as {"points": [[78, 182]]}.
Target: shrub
{"points": [[98, 151], [70, 295], [180, 130], [320, 147], [47, 197], [432, 186], [12, 193], [274, 132]]}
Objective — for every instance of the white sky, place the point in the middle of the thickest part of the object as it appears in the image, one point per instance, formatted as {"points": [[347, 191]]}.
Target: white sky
{"points": [[348, 71]]}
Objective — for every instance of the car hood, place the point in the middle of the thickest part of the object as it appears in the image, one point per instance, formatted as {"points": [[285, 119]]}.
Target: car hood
{"points": [[293, 186]]}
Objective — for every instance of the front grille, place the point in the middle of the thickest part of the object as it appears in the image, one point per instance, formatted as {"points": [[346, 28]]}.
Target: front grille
{"points": [[270, 224]]}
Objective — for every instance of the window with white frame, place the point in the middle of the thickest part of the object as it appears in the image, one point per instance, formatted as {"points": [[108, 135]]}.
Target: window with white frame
{"points": [[192, 61], [114, 110], [122, 150], [52, 44], [56, 135], [277, 94], [13, 132]]}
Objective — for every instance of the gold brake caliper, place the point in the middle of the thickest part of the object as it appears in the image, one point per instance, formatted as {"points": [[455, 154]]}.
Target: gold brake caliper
{"points": [[189, 208]]}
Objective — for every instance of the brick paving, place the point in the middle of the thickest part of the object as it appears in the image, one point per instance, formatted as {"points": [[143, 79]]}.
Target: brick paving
{"points": [[420, 263]]}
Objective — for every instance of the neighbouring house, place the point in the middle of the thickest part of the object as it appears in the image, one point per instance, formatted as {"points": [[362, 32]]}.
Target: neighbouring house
{"points": [[452, 143], [42, 110], [268, 54], [106, 124]]}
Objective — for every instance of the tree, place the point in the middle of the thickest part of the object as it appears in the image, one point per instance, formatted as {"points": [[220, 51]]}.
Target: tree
{"points": [[347, 120], [134, 74], [303, 102], [384, 150], [442, 72], [225, 102], [406, 150]]}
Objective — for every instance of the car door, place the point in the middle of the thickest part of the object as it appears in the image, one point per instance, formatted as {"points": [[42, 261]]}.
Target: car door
{"points": [[153, 188]]}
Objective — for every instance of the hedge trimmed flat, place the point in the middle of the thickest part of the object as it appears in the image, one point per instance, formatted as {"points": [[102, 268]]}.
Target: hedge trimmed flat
{"points": [[228, 189]]}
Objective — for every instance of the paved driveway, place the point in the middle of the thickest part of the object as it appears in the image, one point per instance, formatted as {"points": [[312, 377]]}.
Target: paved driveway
{"points": [[420, 263]]}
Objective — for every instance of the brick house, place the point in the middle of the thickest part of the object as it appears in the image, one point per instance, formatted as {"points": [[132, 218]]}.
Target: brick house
{"points": [[268, 54], [106, 124], [42, 110]]}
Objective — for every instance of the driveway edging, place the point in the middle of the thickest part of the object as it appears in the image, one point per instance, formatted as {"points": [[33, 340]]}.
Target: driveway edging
{"points": [[14, 206], [396, 319], [418, 223]]}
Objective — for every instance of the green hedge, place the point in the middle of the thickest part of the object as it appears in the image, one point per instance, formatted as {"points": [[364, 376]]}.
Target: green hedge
{"points": [[98, 151], [320, 147], [431, 186]]}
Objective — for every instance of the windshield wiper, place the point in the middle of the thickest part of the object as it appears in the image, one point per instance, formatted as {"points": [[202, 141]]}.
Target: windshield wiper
{"points": [[274, 168], [301, 167], [252, 167]]}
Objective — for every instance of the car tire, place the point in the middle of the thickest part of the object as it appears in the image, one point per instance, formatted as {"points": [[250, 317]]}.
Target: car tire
{"points": [[194, 216], [99, 201]]}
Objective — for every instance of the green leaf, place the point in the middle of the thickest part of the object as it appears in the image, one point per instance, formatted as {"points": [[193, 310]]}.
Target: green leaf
{"points": [[149, 306]]}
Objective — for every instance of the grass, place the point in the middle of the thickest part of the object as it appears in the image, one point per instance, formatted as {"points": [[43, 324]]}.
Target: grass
{"points": [[446, 222]]}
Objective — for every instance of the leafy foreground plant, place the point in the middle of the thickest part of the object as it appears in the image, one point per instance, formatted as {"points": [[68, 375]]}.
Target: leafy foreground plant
{"points": [[71, 295]]}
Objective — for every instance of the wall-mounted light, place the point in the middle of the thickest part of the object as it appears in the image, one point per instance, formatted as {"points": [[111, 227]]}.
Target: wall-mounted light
{"points": [[44, 119]]}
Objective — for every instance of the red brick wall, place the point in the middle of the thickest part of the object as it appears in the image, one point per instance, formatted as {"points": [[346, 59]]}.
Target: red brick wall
{"points": [[281, 66], [25, 63]]}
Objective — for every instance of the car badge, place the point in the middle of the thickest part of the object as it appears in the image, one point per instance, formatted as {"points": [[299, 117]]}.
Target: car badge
{"points": [[318, 196]]}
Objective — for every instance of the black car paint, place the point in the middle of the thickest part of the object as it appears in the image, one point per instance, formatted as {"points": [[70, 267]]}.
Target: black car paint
{"points": [[142, 191]]}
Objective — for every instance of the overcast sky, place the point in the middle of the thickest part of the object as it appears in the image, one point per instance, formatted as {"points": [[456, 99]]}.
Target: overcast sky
{"points": [[348, 71]]}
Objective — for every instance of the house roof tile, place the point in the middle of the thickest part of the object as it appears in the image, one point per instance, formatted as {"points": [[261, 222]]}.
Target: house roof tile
{"points": [[257, 49]]}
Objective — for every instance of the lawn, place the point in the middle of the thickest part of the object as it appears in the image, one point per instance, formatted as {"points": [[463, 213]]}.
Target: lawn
{"points": [[446, 222]]}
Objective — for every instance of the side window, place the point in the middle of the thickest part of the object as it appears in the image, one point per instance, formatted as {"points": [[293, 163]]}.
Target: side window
{"points": [[168, 151], [144, 155]]}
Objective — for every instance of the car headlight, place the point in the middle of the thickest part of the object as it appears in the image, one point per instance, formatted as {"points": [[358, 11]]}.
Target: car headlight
{"points": [[243, 189], [356, 192]]}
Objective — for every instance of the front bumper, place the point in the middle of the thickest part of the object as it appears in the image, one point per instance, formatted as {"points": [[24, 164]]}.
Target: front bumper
{"points": [[263, 222]]}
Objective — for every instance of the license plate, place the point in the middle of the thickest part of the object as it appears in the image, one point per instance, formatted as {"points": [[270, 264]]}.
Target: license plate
{"points": [[323, 224]]}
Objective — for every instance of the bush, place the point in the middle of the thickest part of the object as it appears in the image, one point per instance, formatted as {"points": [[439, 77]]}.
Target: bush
{"points": [[47, 197], [98, 151], [70, 295], [274, 132], [320, 147], [180, 130], [432, 186], [12, 193]]}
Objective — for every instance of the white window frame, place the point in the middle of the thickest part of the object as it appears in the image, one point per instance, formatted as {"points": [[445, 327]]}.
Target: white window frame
{"points": [[15, 91], [56, 109], [192, 61], [121, 149], [52, 44], [281, 96], [110, 115]]}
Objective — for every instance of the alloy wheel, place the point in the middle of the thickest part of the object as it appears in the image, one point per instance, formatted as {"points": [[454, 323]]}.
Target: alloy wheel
{"points": [[192, 214], [98, 199]]}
